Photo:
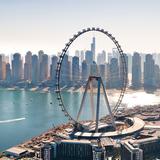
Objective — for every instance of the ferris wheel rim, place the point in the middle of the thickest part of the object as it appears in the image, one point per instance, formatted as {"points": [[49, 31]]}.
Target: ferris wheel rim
{"points": [[61, 57]]}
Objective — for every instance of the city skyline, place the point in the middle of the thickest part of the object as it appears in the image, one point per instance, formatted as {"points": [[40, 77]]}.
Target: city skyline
{"points": [[135, 24], [40, 70], [80, 79]]}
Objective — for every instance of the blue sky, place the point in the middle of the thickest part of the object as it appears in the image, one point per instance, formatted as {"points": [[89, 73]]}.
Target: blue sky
{"points": [[48, 24]]}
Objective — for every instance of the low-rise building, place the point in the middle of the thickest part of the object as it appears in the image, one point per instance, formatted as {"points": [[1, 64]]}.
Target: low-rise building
{"points": [[48, 151], [139, 149], [74, 149], [16, 152]]}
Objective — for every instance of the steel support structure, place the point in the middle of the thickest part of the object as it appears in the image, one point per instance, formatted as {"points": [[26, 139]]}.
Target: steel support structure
{"points": [[108, 105], [99, 84], [98, 102]]}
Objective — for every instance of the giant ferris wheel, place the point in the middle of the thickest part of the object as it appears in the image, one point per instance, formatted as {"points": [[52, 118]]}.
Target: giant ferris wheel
{"points": [[97, 78]]}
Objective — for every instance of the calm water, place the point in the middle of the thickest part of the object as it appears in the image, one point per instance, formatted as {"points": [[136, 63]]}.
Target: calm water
{"points": [[24, 114]]}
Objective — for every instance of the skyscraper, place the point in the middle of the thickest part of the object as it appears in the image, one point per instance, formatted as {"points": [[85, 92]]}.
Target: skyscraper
{"points": [[113, 54], [143, 55], [94, 69], [149, 74], [28, 66], [75, 69], [156, 57], [84, 71], [136, 70], [89, 57], [8, 73], [65, 71], [157, 75], [123, 67], [80, 54], [40, 54], [2, 67], [53, 69], [69, 72], [114, 73], [101, 58], [102, 72], [93, 47], [44, 67], [107, 75], [16, 67], [129, 62], [35, 70], [77, 53]]}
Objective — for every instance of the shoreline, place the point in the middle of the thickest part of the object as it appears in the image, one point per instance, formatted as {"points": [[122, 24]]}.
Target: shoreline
{"points": [[52, 131], [61, 131], [80, 90]]}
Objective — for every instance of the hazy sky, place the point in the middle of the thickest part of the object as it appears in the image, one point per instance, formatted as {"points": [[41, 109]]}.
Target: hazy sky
{"points": [[48, 24]]}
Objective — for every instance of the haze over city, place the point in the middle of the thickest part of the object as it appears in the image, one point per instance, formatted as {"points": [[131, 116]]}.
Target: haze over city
{"points": [[47, 24], [80, 80]]}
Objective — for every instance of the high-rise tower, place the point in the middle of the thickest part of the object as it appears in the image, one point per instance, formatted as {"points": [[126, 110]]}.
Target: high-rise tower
{"points": [[121, 69], [16, 67], [1, 66], [136, 70], [89, 57], [35, 69], [114, 74], [8, 73], [85, 71], [75, 69], [52, 69], [101, 58], [44, 68], [93, 47], [28, 66], [149, 75], [65, 71]]}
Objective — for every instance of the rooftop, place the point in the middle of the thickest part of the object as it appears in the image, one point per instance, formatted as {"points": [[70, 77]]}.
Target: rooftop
{"points": [[76, 141], [16, 151]]}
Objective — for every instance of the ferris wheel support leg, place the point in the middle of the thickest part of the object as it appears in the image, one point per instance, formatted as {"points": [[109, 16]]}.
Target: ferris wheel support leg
{"points": [[92, 101], [98, 102], [83, 99], [108, 106]]}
